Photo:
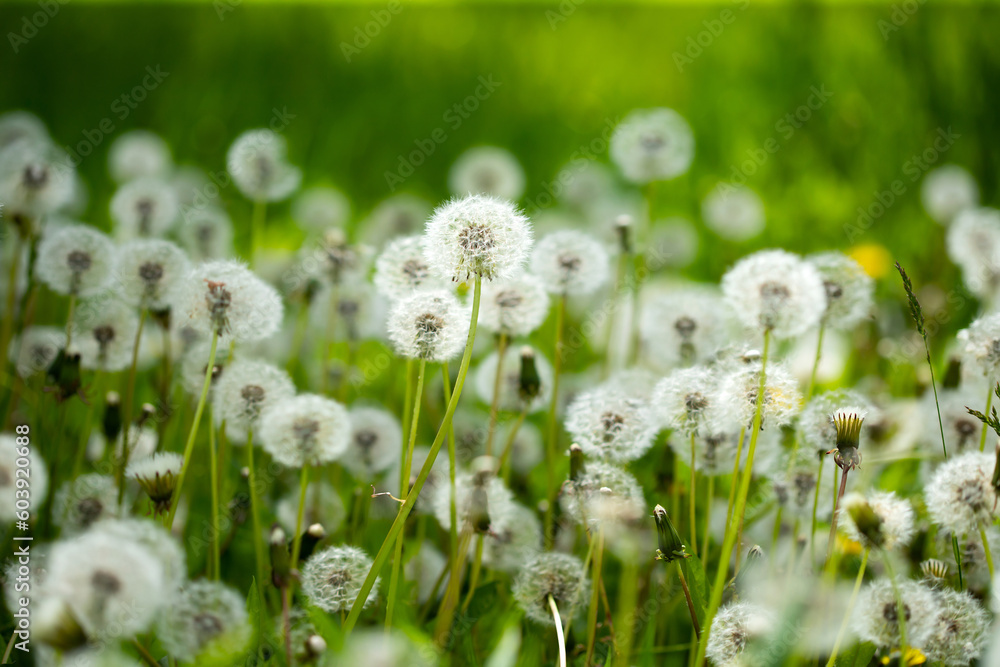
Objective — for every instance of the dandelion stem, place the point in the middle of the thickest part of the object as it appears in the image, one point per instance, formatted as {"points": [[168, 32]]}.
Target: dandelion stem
{"points": [[213, 468], [9, 314], [425, 471], [553, 435], [687, 599], [900, 607], [812, 532], [815, 367], [193, 433], [559, 631], [989, 402], [709, 497], [127, 400], [736, 477], [986, 550], [495, 401], [692, 493], [833, 519], [595, 590], [850, 607], [257, 219], [452, 509], [477, 565], [509, 445], [258, 545], [297, 539], [69, 321], [729, 540]]}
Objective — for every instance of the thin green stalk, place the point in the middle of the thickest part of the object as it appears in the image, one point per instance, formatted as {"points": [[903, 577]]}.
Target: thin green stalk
{"points": [[709, 497], [495, 401], [69, 321], [553, 423], [989, 402], [127, 401], [452, 509], [729, 541], [213, 469], [257, 221], [508, 445], [8, 320], [477, 565], [815, 367], [850, 608], [833, 519], [692, 493], [258, 544], [297, 540], [559, 631], [687, 599], [88, 417], [958, 561], [425, 471], [986, 549], [595, 590], [900, 607], [193, 433], [736, 477], [812, 532]]}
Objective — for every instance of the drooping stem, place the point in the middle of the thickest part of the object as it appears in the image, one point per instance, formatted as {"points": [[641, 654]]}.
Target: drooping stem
{"points": [[297, 539], [989, 402], [425, 471], [595, 589], [193, 433], [815, 367], [127, 401], [850, 608], [559, 631], [495, 401], [729, 540], [258, 545], [553, 423], [692, 493]]}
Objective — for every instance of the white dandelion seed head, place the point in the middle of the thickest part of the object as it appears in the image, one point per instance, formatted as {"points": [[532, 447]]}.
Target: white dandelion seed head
{"points": [[206, 233], [75, 259], [305, 430], [511, 398], [104, 329], [876, 615], [85, 500], [684, 400], [477, 235], [895, 516], [36, 178], [714, 451], [960, 628], [738, 391], [814, 421], [9, 456], [795, 488], [947, 191], [395, 216], [980, 346], [332, 578], [375, 441], [734, 212], [468, 487], [850, 291], [610, 426], [487, 170], [599, 483], [18, 124], [226, 297], [776, 291], [161, 544], [245, 390], [677, 241], [149, 272], [320, 208], [144, 207], [258, 164], [556, 575], [193, 189], [734, 627], [517, 541], [360, 312], [960, 496], [323, 506], [428, 325], [34, 350], [514, 307], [585, 183], [571, 262], [206, 620], [973, 242], [652, 145], [683, 326], [400, 269], [424, 567], [139, 154]]}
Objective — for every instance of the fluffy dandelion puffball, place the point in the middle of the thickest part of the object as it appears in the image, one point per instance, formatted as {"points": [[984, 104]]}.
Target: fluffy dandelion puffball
{"points": [[206, 233], [375, 441], [947, 191], [571, 263], [11, 448], [683, 400], [556, 575], [401, 268], [487, 170], [36, 348], [733, 212], [139, 154], [318, 209], [876, 615], [514, 307], [960, 496], [429, 326], [104, 331], [143, 208], [35, 179], [960, 628], [652, 145], [75, 260], [609, 425], [849, 290], [733, 628], [150, 272], [332, 578], [305, 430], [206, 621], [980, 346], [245, 390], [225, 297], [259, 167], [682, 326]]}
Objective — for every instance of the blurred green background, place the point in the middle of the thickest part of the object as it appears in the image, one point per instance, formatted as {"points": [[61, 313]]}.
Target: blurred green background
{"points": [[566, 73]]}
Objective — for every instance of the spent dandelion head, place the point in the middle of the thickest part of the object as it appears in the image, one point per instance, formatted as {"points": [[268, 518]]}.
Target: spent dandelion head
{"points": [[401, 268], [849, 290], [139, 154], [206, 623], [144, 207], [556, 575], [150, 272], [332, 578], [75, 260], [245, 390], [570, 262], [305, 430], [609, 425], [429, 326], [374, 447], [514, 307], [226, 298], [652, 145], [734, 212], [487, 170], [258, 164]]}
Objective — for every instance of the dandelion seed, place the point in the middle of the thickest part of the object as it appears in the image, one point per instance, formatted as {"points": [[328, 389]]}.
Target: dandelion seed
{"points": [[305, 430], [959, 629], [75, 260], [652, 145], [319, 209], [570, 262], [683, 326], [143, 208], [947, 191], [734, 212], [206, 234], [734, 627], [878, 520], [206, 620], [556, 575], [245, 390], [332, 578], [104, 331], [477, 235], [9, 456], [960, 496], [599, 483], [514, 307], [35, 349], [401, 268], [430, 326], [849, 290], [139, 154], [487, 170], [512, 395], [225, 297], [35, 179], [876, 617], [150, 271], [257, 163], [375, 438]]}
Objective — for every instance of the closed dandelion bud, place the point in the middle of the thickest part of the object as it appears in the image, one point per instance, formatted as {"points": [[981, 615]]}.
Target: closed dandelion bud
{"points": [[960, 496], [206, 234], [305, 430], [477, 235], [652, 145], [429, 326], [734, 628], [157, 475], [315, 646], [623, 230], [332, 578], [206, 623], [319, 209], [225, 297], [75, 260], [63, 375], [577, 466], [257, 162], [138, 154], [734, 212], [514, 307], [144, 207], [111, 422], [777, 292], [36, 179], [876, 616], [570, 262], [281, 560], [609, 425], [865, 523], [558, 575], [529, 381], [478, 516], [744, 578], [952, 374], [401, 268], [82, 502], [669, 540], [849, 290], [312, 536], [35, 349], [245, 390], [149, 272], [487, 170], [848, 422], [996, 471], [947, 191]]}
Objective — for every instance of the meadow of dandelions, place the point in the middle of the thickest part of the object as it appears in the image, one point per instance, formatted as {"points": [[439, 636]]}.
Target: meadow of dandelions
{"points": [[264, 427]]}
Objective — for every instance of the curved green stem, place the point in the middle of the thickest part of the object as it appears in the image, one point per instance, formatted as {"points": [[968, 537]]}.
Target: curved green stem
{"points": [[986, 549], [812, 532], [595, 590], [692, 493], [213, 468], [553, 435]]}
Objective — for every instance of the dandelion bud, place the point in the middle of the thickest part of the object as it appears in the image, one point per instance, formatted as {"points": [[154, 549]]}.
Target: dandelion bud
{"points": [[315, 646], [281, 560], [670, 545], [576, 462], [864, 519], [530, 383], [623, 229], [996, 471], [848, 422], [63, 375], [558, 575], [111, 422], [157, 475], [953, 374], [332, 578], [743, 578], [312, 536]]}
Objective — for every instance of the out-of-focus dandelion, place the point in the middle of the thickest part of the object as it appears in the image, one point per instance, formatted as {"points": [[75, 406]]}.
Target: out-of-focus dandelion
{"points": [[487, 170], [652, 145], [734, 212]]}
